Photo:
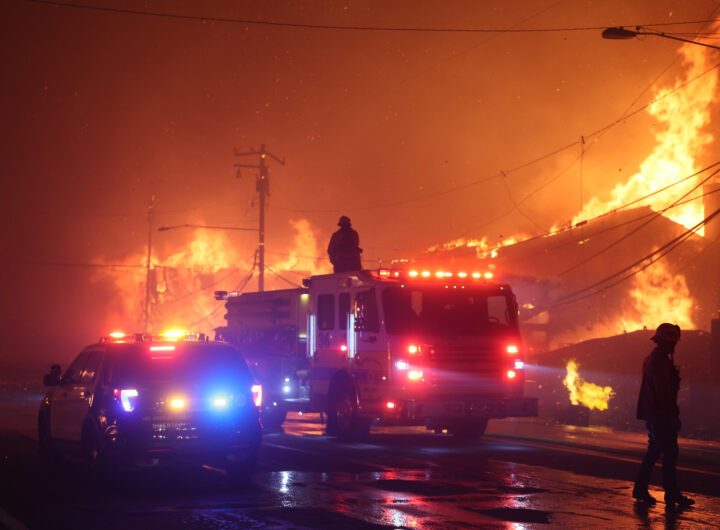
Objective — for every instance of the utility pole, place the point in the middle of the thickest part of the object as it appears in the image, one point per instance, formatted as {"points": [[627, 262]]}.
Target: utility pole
{"points": [[150, 217], [262, 186]]}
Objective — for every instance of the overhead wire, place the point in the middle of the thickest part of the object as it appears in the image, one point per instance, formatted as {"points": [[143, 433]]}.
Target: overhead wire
{"points": [[657, 254], [638, 228], [71, 264], [240, 286], [514, 169], [299, 25], [213, 284], [619, 208], [294, 284], [601, 231]]}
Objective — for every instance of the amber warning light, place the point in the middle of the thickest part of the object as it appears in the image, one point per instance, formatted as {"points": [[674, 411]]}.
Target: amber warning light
{"points": [[441, 274]]}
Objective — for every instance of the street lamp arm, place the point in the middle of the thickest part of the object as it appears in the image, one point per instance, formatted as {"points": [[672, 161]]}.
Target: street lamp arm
{"points": [[209, 227], [621, 33], [642, 31]]}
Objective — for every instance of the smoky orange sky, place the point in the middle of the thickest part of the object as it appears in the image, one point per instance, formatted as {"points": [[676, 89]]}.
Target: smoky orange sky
{"points": [[102, 110]]}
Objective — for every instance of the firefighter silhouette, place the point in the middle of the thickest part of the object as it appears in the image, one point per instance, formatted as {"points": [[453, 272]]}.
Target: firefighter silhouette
{"points": [[657, 406], [344, 250]]}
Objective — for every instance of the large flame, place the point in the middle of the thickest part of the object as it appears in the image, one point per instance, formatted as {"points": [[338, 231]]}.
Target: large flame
{"points": [[306, 254], [682, 113], [583, 393], [661, 297], [182, 282]]}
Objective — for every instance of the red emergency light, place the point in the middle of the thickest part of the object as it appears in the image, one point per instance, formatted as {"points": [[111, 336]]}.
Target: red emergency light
{"points": [[425, 273]]}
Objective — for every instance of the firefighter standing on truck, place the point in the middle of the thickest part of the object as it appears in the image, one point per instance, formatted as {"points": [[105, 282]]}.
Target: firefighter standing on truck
{"points": [[657, 405], [344, 248]]}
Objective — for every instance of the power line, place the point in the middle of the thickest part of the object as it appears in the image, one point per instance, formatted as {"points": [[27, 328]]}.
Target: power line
{"points": [[238, 288], [213, 284], [656, 254], [638, 228], [125, 214], [294, 284], [482, 180], [71, 264], [602, 231], [615, 210], [299, 25]]}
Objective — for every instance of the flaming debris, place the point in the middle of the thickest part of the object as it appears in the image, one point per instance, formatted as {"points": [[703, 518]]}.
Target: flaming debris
{"points": [[584, 393], [482, 248]]}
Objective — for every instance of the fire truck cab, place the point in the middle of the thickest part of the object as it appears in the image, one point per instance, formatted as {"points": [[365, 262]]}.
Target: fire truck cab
{"points": [[413, 347]]}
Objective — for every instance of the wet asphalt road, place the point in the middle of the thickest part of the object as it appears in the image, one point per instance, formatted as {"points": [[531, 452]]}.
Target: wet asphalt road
{"points": [[523, 474]]}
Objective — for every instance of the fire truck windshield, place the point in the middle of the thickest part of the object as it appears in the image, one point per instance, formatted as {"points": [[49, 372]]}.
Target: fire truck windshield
{"points": [[447, 312]]}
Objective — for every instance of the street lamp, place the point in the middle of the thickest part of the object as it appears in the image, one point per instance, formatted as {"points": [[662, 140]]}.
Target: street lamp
{"points": [[621, 33]]}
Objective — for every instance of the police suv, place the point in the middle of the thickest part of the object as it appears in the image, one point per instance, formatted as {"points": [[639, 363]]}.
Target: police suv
{"points": [[143, 400]]}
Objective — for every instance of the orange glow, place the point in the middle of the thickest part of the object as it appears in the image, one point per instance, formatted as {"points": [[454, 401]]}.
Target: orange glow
{"points": [[440, 274], [512, 349], [462, 274], [414, 375], [177, 403], [488, 275], [117, 335], [476, 275], [174, 334], [425, 274], [584, 393], [162, 348], [257, 395], [413, 274]]}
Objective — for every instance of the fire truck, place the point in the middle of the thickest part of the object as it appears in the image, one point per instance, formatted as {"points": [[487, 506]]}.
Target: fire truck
{"points": [[397, 347]]}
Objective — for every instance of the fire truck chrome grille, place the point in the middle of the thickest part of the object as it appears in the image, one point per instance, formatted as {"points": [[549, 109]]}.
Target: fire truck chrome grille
{"points": [[475, 361]]}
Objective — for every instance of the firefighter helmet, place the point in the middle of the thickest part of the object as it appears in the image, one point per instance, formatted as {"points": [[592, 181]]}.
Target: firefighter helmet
{"points": [[667, 332], [344, 220]]}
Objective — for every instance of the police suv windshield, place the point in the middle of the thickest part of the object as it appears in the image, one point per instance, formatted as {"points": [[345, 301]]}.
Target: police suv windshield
{"points": [[448, 312], [188, 362]]}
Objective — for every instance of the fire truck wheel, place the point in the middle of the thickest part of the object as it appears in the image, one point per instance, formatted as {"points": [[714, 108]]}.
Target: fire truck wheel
{"points": [[343, 421], [470, 431], [274, 418]]}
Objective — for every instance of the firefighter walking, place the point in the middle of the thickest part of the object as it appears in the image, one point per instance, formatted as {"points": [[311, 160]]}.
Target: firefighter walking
{"points": [[657, 406], [344, 248]]}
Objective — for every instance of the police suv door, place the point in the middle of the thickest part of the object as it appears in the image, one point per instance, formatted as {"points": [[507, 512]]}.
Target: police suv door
{"points": [[77, 395], [62, 396]]}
